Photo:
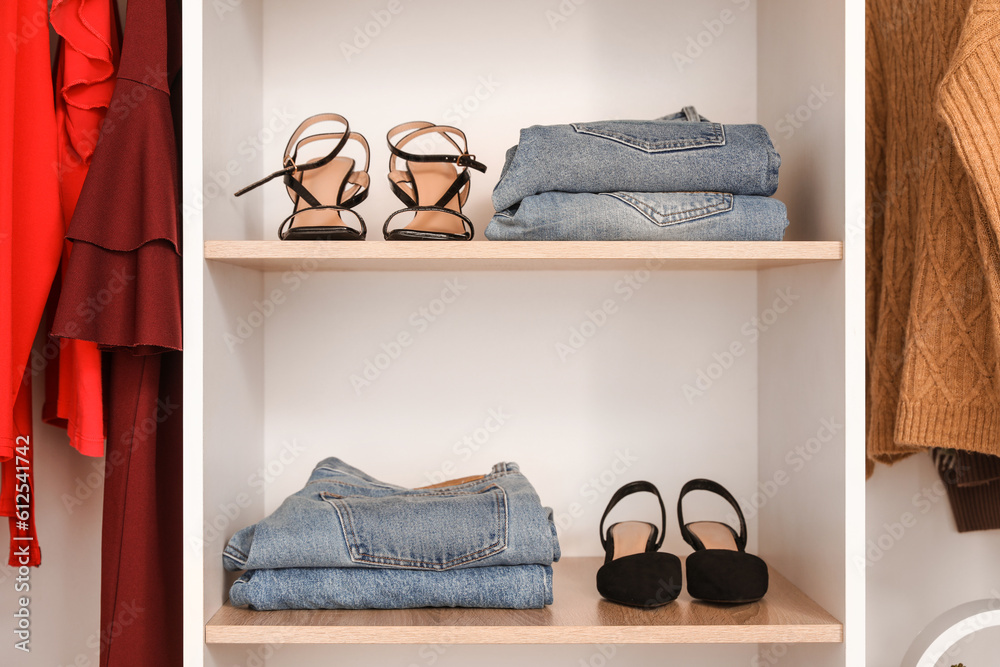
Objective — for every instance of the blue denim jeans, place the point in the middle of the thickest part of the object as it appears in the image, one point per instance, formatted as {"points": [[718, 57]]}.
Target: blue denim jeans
{"points": [[501, 587], [346, 518], [640, 216], [678, 153]]}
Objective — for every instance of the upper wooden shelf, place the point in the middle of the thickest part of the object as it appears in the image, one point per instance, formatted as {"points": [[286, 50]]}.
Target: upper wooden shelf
{"points": [[579, 616], [519, 255]]}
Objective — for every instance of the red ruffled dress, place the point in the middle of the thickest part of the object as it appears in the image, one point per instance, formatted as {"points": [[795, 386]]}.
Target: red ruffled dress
{"points": [[85, 81]]}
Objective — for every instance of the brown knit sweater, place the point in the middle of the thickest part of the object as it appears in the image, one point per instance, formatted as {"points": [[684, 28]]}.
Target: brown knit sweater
{"points": [[933, 217]]}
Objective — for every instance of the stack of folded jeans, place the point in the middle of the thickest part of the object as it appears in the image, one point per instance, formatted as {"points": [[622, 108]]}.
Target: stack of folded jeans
{"points": [[677, 178], [350, 541]]}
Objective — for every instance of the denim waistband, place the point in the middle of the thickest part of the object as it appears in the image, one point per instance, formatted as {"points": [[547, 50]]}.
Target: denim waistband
{"points": [[344, 517], [678, 153], [499, 587]]}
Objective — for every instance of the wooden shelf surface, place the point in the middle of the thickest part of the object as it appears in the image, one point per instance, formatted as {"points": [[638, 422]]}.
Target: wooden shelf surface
{"points": [[578, 616], [519, 255]]}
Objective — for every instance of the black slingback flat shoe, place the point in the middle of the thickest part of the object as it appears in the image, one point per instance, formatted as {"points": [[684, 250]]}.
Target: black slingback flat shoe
{"points": [[720, 569], [635, 573]]}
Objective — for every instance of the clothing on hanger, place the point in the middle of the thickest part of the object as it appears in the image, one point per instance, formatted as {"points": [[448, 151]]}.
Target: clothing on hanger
{"points": [[126, 228], [31, 241], [933, 215], [85, 79]]}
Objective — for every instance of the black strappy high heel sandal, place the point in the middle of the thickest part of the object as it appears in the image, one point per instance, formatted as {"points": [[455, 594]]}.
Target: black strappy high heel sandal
{"points": [[720, 569], [635, 572], [329, 178], [433, 187]]}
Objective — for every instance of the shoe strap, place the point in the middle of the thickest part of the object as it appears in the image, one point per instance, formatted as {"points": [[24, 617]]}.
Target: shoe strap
{"points": [[470, 231], [287, 221], [714, 487], [292, 148], [419, 128], [627, 490], [357, 193]]}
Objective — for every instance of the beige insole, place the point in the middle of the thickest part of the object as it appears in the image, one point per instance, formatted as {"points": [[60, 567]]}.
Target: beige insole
{"points": [[714, 535], [631, 537], [324, 183], [432, 180]]}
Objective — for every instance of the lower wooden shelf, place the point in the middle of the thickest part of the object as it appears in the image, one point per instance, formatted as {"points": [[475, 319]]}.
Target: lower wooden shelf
{"points": [[579, 616]]}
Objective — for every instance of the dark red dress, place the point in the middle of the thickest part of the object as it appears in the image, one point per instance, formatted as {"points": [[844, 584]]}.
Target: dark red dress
{"points": [[126, 229]]}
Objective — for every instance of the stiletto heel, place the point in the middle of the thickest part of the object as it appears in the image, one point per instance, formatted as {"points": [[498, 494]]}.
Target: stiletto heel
{"points": [[635, 573], [329, 178], [720, 569], [433, 187]]}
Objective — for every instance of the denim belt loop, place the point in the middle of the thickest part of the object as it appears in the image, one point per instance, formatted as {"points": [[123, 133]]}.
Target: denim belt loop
{"points": [[691, 115]]}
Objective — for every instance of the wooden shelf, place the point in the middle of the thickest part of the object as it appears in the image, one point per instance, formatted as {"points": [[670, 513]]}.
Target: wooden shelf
{"points": [[519, 255], [579, 616]]}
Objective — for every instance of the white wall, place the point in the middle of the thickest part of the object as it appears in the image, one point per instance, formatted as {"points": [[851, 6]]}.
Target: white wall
{"points": [[493, 68], [65, 592], [805, 409], [919, 566]]}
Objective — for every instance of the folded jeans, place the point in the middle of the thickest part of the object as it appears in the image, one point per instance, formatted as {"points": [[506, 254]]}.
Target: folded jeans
{"points": [[500, 587], [678, 153], [346, 518], [641, 216]]}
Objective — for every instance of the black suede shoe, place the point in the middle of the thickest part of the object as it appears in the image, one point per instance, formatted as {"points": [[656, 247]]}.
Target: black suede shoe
{"points": [[720, 570], [635, 573]]}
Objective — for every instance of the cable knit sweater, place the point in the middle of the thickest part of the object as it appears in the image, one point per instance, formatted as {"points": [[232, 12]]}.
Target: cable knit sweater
{"points": [[933, 218]]}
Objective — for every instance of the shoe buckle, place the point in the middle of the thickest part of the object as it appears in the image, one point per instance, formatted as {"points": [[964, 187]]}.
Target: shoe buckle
{"points": [[289, 162], [465, 159]]}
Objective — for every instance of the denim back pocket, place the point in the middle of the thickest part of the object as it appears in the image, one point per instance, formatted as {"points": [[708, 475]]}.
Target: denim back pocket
{"points": [[676, 207], [435, 529], [654, 136]]}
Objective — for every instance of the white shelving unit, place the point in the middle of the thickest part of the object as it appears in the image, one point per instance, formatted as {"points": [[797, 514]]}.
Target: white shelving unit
{"points": [[724, 360]]}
